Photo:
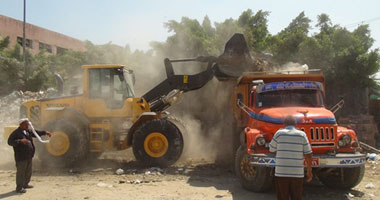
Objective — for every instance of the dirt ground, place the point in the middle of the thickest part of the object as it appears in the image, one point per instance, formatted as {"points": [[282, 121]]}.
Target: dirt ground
{"points": [[188, 180]]}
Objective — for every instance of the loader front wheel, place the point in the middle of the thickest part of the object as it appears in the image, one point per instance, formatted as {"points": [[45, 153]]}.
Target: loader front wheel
{"points": [[157, 142], [68, 144]]}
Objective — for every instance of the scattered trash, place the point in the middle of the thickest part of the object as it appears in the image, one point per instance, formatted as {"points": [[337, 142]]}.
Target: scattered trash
{"points": [[371, 195], [121, 182], [349, 195], [119, 171], [370, 186], [135, 181], [154, 171], [101, 184], [372, 156]]}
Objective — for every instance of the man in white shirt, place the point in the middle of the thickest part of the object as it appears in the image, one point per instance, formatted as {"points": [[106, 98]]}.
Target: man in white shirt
{"points": [[292, 147]]}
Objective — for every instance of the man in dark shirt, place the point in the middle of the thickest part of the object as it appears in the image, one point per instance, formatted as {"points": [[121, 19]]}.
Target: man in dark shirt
{"points": [[22, 141]]}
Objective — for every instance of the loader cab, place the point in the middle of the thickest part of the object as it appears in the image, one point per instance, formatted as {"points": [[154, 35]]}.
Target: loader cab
{"points": [[111, 83]]}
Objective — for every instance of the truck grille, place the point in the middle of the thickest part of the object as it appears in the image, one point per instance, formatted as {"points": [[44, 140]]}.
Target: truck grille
{"points": [[321, 136]]}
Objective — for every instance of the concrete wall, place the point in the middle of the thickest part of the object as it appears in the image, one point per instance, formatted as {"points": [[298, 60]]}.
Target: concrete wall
{"points": [[41, 38]]}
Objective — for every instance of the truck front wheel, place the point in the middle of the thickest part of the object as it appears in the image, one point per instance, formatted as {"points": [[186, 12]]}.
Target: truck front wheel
{"points": [[252, 178], [343, 178], [157, 142]]}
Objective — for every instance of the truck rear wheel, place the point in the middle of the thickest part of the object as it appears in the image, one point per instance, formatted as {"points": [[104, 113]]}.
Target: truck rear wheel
{"points": [[252, 178], [157, 142], [343, 178], [68, 144]]}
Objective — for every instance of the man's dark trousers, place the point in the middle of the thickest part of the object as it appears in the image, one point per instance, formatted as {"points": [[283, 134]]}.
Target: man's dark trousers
{"points": [[24, 173], [288, 187]]}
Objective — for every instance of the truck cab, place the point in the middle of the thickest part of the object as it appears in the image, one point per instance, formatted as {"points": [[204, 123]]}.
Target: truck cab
{"points": [[262, 102]]}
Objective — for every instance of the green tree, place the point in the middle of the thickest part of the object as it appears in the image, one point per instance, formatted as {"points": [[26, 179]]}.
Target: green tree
{"points": [[286, 45], [255, 28]]}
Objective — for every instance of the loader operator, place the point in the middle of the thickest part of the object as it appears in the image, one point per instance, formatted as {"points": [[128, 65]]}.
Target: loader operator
{"points": [[291, 147], [22, 141]]}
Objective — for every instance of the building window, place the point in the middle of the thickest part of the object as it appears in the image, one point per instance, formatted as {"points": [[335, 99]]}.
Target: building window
{"points": [[46, 47], [61, 50], [28, 43]]}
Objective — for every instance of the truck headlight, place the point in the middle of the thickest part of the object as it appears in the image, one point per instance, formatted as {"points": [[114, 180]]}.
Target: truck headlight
{"points": [[344, 140], [260, 141]]}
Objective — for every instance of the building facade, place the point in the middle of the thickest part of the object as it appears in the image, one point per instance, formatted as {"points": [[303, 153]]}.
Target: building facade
{"points": [[36, 38]]}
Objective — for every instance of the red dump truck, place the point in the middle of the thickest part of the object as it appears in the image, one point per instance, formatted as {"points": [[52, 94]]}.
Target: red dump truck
{"points": [[263, 100]]}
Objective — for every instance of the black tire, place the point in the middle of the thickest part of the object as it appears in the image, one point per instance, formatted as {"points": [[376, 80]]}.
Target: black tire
{"points": [[167, 130], [252, 178], [78, 147], [343, 178]]}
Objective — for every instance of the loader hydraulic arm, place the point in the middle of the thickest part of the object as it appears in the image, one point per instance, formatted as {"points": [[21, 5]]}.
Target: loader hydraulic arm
{"points": [[235, 60], [178, 83]]}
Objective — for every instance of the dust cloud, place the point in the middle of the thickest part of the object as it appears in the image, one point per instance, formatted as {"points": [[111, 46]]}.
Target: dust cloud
{"points": [[292, 66], [204, 116]]}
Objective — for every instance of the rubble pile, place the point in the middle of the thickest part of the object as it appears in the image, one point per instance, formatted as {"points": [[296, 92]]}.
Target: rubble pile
{"points": [[10, 104], [364, 126]]}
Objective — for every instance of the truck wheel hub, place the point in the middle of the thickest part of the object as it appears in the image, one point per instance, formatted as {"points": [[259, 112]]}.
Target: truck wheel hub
{"points": [[247, 170], [156, 144], [59, 143]]}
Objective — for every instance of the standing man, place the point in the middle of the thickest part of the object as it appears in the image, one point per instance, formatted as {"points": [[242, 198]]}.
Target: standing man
{"points": [[291, 147], [22, 141]]}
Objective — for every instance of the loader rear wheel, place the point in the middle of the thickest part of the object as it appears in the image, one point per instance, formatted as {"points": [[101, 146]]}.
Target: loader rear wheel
{"points": [[68, 144], [157, 142], [343, 178], [252, 178]]}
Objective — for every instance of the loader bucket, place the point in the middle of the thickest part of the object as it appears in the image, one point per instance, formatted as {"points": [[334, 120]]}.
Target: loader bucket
{"points": [[235, 60]]}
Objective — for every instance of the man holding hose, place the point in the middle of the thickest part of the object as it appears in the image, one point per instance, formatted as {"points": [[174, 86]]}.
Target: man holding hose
{"points": [[22, 141]]}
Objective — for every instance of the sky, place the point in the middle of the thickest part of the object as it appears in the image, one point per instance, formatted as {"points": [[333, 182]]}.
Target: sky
{"points": [[137, 23]]}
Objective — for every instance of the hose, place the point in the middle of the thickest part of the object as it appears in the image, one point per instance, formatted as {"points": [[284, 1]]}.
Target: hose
{"points": [[37, 136]]}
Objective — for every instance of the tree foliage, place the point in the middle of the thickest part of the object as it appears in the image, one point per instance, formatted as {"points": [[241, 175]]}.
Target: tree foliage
{"points": [[346, 57]]}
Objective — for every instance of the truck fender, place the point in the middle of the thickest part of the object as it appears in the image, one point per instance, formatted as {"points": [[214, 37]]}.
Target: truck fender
{"points": [[251, 135], [142, 118]]}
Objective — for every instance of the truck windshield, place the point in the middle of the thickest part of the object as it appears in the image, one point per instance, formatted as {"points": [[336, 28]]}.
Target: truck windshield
{"points": [[288, 98]]}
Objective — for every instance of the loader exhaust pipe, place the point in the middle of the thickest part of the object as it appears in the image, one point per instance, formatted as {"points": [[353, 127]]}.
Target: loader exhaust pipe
{"points": [[59, 82]]}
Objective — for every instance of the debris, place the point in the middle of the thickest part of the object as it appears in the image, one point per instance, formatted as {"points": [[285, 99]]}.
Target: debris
{"points": [[101, 184], [219, 196], [73, 171], [372, 156], [371, 195], [370, 186], [121, 182], [349, 195], [119, 171], [137, 181], [154, 171], [98, 170], [86, 198]]}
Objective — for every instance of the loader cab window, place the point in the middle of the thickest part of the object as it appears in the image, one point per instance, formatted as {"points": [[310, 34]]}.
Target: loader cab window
{"points": [[110, 85]]}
